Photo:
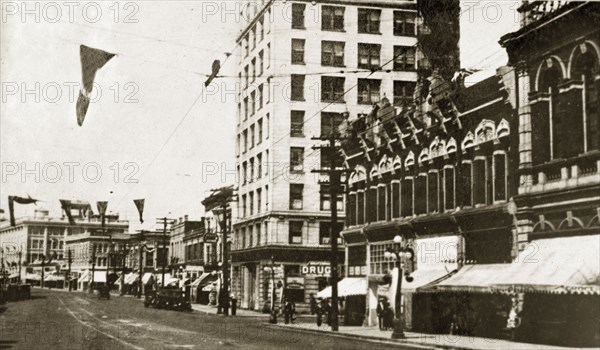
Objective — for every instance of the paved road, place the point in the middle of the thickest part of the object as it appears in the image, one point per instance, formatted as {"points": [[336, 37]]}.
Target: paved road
{"points": [[62, 320]]}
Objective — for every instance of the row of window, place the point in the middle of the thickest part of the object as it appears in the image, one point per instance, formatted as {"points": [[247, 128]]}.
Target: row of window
{"points": [[248, 202], [252, 170], [369, 20], [478, 182], [257, 234], [369, 55], [297, 198], [253, 135], [256, 34], [369, 90], [256, 68]]}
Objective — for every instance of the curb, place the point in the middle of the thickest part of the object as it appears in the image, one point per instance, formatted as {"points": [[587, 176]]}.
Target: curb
{"points": [[374, 339]]}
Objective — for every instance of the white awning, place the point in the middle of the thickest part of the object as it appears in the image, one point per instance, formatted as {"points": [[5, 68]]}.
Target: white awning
{"points": [[347, 287], [85, 275], [99, 276], [425, 276], [146, 278], [131, 278], [54, 278], [14, 275], [33, 277], [546, 265], [472, 278]]}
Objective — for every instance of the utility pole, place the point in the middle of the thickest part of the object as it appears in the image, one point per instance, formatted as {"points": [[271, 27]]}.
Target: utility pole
{"points": [[68, 276], [334, 183], [93, 261], [225, 258], [164, 220], [141, 272], [20, 258]]}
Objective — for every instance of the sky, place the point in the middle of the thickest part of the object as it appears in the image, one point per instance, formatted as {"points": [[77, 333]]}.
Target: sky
{"points": [[152, 130]]}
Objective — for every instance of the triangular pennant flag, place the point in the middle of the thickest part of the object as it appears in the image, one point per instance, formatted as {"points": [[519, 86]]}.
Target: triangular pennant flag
{"points": [[66, 206], [102, 210], [139, 203], [91, 60], [20, 200]]}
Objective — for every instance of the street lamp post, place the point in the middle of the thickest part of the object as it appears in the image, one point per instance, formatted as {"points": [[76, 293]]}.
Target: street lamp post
{"points": [[271, 268], [399, 253], [124, 254], [93, 262]]}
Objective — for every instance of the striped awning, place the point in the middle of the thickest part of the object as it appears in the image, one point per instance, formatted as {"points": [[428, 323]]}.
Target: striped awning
{"points": [[131, 278], [347, 287]]}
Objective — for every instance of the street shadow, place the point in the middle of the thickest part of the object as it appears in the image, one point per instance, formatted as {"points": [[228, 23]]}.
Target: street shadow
{"points": [[7, 344], [33, 297]]}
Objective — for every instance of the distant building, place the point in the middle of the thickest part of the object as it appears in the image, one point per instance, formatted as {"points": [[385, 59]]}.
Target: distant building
{"points": [[43, 237]]}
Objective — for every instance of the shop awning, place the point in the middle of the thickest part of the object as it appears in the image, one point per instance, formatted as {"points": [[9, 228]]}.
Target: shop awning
{"points": [[14, 275], [131, 278], [85, 276], [99, 277], [347, 287], [471, 278], [146, 278], [424, 277], [33, 277], [555, 265], [54, 278]]}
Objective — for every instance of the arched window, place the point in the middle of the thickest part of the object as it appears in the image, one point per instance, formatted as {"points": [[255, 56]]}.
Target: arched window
{"points": [[585, 67], [546, 125]]}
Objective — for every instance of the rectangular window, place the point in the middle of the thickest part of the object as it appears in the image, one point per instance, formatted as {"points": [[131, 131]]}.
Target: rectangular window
{"points": [[268, 122], [245, 108], [360, 207], [499, 177], [298, 51], [297, 87], [268, 54], [395, 200], [261, 58], [368, 21], [250, 236], [258, 166], [449, 188], [261, 24], [244, 205], [479, 181], [253, 37], [260, 131], [404, 23], [251, 170], [260, 96], [296, 232], [296, 198], [325, 232], [297, 124], [258, 199], [327, 118], [368, 91], [369, 56], [332, 53], [381, 202], [298, 16], [238, 145], [325, 200], [296, 159], [420, 191], [333, 18], [247, 44], [253, 66], [252, 103], [246, 76], [332, 89], [466, 183], [252, 136], [403, 92], [372, 204], [351, 209], [432, 192], [404, 58], [407, 197], [258, 233], [251, 200], [244, 172], [245, 140], [266, 198]]}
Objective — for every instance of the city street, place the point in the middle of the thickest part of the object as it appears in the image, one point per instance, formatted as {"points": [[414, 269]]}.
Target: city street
{"points": [[62, 320]]}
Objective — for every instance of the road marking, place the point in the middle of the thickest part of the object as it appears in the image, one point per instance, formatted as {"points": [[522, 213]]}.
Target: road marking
{"points": [[97, 329]]}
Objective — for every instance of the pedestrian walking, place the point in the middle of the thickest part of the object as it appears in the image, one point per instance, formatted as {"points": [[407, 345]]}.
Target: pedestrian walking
{"points": [[313, 304], [289, 309], [388, 317], [379, 310]]}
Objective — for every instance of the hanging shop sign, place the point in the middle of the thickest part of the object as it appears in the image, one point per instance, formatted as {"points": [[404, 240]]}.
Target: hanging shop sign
{"points": [[295, 283]]}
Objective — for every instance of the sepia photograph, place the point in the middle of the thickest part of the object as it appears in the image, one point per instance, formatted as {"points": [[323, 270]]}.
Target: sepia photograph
{"points": [[299, 174]]}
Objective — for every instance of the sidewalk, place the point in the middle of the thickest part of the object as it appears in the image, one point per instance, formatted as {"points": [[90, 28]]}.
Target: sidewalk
{"points": [[307, 323], [444, 341]]}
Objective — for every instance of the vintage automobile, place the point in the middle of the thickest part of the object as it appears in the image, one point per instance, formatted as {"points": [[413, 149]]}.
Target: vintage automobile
{"points": [[171, 298], [104, 292]]}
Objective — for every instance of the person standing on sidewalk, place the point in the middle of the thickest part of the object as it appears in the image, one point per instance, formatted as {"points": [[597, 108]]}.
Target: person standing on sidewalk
{"points": [[379, 310], [313, 304]]}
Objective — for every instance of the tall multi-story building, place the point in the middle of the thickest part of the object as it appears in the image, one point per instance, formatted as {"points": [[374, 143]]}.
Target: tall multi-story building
{"points": [[305, 66]]}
